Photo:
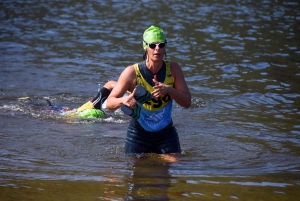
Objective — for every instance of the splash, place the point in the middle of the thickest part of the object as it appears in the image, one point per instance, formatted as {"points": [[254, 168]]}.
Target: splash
{"points": [[43, 108]]}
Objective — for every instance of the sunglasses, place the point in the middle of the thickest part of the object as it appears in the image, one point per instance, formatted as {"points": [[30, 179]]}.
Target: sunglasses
{"points": [[154, 45]]}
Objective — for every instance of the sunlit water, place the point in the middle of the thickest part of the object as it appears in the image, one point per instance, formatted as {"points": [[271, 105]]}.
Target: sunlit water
{"points": [[240, 138]]}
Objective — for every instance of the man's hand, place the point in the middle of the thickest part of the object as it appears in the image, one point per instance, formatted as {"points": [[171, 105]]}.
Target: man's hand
{"points": [[160, 89], [130, 100]]}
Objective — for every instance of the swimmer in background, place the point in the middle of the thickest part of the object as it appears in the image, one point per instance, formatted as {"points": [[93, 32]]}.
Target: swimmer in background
{"points": [[91, 109]]}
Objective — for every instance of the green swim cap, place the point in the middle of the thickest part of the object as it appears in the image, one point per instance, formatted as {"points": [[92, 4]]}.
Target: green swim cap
{"points": [[92, 113], [153, 34]]}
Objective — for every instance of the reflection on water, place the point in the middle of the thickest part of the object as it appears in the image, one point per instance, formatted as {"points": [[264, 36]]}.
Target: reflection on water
{"points": [[152, 180], [240, 138], [149, 179]]}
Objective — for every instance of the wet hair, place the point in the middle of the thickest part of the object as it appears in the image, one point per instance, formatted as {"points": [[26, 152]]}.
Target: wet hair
{"points": [[145, 55]]}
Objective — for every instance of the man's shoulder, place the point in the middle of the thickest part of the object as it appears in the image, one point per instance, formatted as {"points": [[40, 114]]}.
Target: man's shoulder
{"points": [[174, 65]]}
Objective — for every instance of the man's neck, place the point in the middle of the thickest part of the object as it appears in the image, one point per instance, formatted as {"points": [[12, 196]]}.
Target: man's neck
{"points": [[154, 66]]}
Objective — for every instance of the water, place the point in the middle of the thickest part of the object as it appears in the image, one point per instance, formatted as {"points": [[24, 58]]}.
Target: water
{"points": [[240, 138]]}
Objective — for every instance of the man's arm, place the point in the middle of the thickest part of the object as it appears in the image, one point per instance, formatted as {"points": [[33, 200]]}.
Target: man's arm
{"points": [[126, 82]]}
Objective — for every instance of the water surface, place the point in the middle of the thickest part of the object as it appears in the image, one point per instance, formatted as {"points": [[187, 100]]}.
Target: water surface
{"points": [[240, 138]]}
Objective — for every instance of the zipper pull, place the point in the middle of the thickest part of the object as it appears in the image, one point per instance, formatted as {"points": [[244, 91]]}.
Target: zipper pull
{"points": [[154, 77]]}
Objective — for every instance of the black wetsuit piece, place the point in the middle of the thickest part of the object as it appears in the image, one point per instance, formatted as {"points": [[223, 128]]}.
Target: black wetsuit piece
{"points": [[99, 99]]}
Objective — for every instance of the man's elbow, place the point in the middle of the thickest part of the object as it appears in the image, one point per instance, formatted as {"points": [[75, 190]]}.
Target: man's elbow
{"points": [[187, 105]]}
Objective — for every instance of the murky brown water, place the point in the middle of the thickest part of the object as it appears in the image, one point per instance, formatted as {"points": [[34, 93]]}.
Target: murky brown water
{"points": [[240, 138]]}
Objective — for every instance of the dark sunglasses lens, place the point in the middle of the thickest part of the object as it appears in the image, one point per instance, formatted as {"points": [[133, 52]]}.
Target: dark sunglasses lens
{"points": [[152, 46], [160, 45]]}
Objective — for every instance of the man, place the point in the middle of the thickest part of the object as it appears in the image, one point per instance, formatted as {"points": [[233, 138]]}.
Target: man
{"points": [[152, 129]]}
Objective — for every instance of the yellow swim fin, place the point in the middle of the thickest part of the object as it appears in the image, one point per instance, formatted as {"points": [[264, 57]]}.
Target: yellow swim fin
{"points": [[24, 98], [86, 106]]}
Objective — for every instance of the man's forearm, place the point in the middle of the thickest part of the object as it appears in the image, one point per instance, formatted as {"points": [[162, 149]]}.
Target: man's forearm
{"points": [[181, 98]]}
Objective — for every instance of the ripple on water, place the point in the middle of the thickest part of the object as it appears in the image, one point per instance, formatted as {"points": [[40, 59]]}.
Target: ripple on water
{"points": [[257, 66]]}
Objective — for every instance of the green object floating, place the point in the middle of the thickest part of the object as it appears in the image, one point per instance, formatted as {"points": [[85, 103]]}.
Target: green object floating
{"points": [[92, 113]]}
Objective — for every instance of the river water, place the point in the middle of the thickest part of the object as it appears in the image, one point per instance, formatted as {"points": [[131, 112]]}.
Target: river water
{"points": [[240, 138]]}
